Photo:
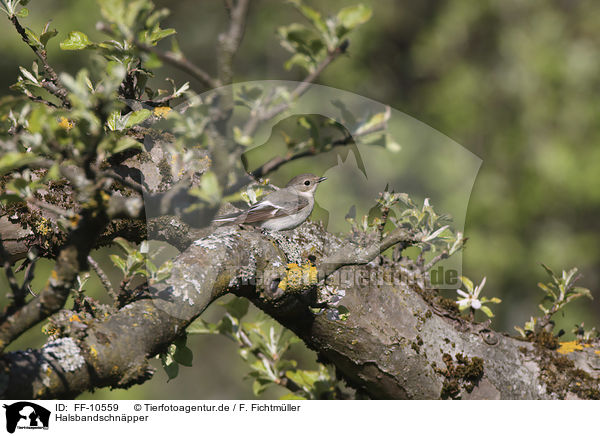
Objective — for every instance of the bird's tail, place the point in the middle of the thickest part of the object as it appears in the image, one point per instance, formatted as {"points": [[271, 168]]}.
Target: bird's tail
{"points": [[234, 218]]}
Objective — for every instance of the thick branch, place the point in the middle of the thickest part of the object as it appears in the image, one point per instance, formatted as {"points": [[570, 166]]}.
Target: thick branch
{"points": [[115, 349], [394, 344], [72, 258]]}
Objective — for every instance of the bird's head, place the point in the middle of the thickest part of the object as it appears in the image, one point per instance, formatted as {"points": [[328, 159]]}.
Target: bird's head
{"points": [[305, 182]]}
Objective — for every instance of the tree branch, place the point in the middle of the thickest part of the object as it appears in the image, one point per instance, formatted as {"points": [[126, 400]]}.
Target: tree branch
{"points": [[103, 278], [394, 343], [276, 162], [10, 276], [266, 114], [177, 60], [71, 259], [180, 62], [229, 41], [53, 85], [352, 254]]}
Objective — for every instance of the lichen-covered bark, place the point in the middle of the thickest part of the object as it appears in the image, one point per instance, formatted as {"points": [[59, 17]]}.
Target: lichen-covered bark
{"points": [[396, 342]]}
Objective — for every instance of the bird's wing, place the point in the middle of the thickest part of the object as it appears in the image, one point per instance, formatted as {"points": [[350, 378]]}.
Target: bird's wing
{"points": [[275, 205]]}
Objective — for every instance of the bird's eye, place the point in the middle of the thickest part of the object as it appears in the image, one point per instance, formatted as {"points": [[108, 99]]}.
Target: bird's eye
{"points": [[307, 182]]}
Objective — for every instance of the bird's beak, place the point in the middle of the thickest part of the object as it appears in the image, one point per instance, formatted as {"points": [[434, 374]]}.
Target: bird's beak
{"points": [[321, 179]]}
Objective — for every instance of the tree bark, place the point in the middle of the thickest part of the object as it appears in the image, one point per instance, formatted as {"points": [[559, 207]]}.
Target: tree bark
{"points": [[397, 342]]}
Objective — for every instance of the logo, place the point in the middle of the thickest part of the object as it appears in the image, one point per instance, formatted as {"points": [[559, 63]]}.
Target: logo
{"points": [[26, 415]]}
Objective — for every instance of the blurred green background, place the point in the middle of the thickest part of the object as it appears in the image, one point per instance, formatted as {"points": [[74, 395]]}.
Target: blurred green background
{"points": [[514, 82]]}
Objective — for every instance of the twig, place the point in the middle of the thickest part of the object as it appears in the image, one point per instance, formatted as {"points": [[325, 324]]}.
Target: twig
{"points": [[281, 380], [385, 211], [276, 162], [129, 183], [436, 259], [53, 85], [302, 87], [36, 99], [56, 210], [71, 259], [179, 61], [103, 277], [229, 42], [32, 257], [357, 255]]}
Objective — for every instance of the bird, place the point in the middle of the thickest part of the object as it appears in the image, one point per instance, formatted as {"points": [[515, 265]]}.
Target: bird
{"points": [[284, 209]]}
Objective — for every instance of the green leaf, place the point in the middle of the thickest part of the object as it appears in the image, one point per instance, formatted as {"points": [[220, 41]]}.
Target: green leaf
{"points": [[582, 292], [112, 10], [237, 307], [164, 272], [301, 60], [568, 276], [250, 93], [549, 271], [171, 367], [18, 185], [13, 160], [182, 355], [76, 41], [260, 385], [119, 262], [259, 366], [352, 16], [125, 245], [34, 39], [225, 326], [435, 234], [302, 377], [151, 267], [137, 117], [347, 116], [343, 312], [126, 143], [547, 290], [487, 311], [391, 144], [115, 121], [46, 36], [240, 138], [209, 190], [297, 38], [26, 74], [375, 123], [22, 13], [199, 326], [521, 331], [9, 199], [161, 34], [468, 284], [135, 261], [311, 15], [291, 396]]}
